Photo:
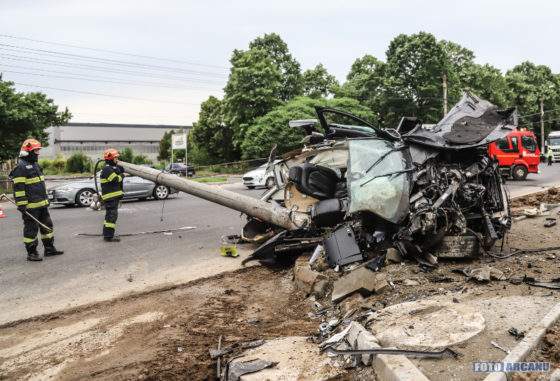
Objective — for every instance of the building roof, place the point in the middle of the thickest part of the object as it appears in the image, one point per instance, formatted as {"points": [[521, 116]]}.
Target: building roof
{"points": [[128, 125]]}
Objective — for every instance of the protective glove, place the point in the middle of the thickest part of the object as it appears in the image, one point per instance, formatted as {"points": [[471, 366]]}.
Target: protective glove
{"points": [[22, 208]]}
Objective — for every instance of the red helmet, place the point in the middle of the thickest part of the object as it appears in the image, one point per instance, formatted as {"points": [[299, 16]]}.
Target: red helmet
{"points": [[30, 145], [110, 154]]}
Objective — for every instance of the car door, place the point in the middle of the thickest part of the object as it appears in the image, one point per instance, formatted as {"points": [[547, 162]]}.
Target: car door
{"points": [[134, 186]]}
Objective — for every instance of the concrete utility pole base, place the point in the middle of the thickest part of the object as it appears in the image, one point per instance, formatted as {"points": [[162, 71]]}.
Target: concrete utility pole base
{"points": [[256, 208]]}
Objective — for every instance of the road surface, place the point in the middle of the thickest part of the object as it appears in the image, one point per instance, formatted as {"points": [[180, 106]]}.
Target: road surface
{"points": [[549, 176], [92, 270]]}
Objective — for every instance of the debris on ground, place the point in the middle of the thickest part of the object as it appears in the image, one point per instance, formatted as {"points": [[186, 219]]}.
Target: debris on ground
{"points": [[361, 280], [483, 274]]}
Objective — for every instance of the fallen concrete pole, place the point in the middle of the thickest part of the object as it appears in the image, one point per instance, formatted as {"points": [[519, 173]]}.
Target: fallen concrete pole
{"points": [[256, 208]]}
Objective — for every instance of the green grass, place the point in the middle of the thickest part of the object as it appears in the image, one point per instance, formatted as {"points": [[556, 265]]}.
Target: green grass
{"points": [[213, 179]]}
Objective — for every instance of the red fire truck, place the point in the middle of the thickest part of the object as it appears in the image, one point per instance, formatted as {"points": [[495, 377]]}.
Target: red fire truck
{"points": [[518, 154]]}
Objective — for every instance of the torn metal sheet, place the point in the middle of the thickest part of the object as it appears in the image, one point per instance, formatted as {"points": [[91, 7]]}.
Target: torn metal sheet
{"points": [[237, 369]]}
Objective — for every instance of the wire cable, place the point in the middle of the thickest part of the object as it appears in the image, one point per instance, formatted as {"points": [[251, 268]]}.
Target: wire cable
{"points": [[109, 51], [105, 95]]}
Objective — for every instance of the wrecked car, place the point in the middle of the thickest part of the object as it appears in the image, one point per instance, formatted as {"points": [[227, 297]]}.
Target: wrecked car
{"points": [[424, 190]]}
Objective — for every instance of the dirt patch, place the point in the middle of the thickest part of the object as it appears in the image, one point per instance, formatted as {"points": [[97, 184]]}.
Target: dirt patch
{"points": [[550, 196], [162, 335]]}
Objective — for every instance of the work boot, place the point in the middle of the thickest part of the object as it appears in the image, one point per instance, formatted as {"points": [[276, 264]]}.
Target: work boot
{"points": [[111, 239], [34, 257], [50, 251]]}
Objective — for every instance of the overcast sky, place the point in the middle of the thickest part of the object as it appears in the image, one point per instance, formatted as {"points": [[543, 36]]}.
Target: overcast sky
{"points": [[197, 37]]}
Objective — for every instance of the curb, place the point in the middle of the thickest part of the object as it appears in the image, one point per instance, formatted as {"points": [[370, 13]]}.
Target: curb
{"points": [[530, 341], [396, 368]]}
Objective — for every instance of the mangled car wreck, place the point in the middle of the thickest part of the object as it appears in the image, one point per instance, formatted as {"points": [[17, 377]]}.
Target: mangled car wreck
{"points": [[356, 190], [424, 190]]}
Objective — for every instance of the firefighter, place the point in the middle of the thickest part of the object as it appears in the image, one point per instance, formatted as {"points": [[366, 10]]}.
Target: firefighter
{"points": [[30, 195], [111, 193]]}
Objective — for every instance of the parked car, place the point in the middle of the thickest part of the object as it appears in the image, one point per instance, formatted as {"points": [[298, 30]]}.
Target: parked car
{"points": [[180, 169], [81, 192], [259, 177]]}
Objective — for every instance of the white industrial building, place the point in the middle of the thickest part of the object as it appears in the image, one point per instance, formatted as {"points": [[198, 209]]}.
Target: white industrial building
{"points": [[93, 138]]}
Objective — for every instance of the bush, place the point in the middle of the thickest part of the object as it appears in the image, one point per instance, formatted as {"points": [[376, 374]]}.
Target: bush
{"points": [[126, 155], [78, 163], [45, 164], [58, 164], [141, 159]]}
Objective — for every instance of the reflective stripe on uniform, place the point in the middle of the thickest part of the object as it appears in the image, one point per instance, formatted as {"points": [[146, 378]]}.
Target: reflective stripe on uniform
{"points": [[112, 176], [20, 194], [38, 204], [109, 225], [104, 181], [33, 180], [47, 236], [19, 203], [111, 195], [19, 180], [29, 240]]}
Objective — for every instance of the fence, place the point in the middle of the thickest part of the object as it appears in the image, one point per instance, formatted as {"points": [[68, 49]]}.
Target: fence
{"points": [[232, 167]]}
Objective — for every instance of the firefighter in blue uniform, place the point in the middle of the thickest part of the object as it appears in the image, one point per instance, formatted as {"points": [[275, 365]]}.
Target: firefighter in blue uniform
{"points": [[30, 196], [111, 193]]}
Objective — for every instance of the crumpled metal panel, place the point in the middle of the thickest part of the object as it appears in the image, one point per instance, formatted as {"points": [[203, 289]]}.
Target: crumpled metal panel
{"points": [[472, 122]]}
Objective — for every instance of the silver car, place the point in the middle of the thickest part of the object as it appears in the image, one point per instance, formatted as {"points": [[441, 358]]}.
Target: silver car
{"points": [[81, 192]]}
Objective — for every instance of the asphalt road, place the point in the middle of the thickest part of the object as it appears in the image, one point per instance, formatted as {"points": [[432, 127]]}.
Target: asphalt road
{"points": [[548, 176], [93, 270]]}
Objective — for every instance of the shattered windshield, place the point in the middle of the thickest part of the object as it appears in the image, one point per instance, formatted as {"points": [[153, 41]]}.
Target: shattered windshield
{"points": [[379, 178]]}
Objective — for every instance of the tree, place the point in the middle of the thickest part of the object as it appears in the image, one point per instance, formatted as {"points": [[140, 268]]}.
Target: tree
{"points": [[317, 82], [211, 136], [290, 71], [273, 128], [415, 66], [253, 89], [366, 82], [487, 82], [25, 115], [528, 84], [165, 146]]}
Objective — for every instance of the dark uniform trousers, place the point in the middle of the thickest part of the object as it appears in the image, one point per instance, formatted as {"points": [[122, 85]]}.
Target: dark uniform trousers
{"points": [[31, 228], [112, 191], [111, 215]]}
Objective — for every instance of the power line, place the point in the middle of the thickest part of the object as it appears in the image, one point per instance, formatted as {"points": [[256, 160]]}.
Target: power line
{"points": [[105, 69], [112, 61], [105, 95], [111, 51], [538, 113], [98, 79]]}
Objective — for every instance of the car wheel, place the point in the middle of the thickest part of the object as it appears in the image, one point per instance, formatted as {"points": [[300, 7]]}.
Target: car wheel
{"points": [[269, 183], [519, 172], [85, 197], [161, 192]]}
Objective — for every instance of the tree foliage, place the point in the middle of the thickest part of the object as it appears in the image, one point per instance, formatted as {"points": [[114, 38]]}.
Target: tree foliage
{"points": [[211, 135], [273, 128], [318, 83], [25, 115], [290, 71]]}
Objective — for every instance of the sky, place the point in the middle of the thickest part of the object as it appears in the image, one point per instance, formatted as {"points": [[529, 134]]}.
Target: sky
{"points": [[154, 62]]}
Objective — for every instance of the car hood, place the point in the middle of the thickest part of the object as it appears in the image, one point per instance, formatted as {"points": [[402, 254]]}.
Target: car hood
{"points": [[255, 172], [471, 123], [75, 184]]}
